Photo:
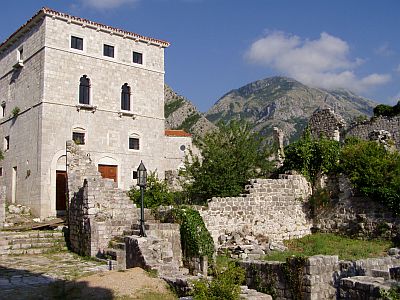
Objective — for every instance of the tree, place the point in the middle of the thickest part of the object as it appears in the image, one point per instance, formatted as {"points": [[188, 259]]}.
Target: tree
{"points": [[312, 157], [373, 170], [231, 156]]}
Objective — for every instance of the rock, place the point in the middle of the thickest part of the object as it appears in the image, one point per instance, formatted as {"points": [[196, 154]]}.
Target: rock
{"points": [[394, 251], [37, 220], [275, 246]]}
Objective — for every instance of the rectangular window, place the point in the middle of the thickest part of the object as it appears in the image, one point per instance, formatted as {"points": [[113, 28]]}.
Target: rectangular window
{"points": [[134, 174], [76, 43], [21, 54], [78, 138], [3, 109], [108, 50], [137, 57], [1, 171], [134, 143], [7, 143]]}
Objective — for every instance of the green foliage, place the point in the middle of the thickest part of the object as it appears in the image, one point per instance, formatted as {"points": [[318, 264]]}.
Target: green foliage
{"points": [[230, 157], [265, 281], [189, 121], [319, 200], [172, 106], [311, 156], [387, 110], [374, 171], [294, 272], [15, 111], [225, 285], [156, 193], [331, 244], [196, 241], [392, 294]]}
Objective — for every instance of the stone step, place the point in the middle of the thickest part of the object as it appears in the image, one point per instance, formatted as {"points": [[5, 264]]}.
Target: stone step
{"points": [[29, 251], [32, 240]]}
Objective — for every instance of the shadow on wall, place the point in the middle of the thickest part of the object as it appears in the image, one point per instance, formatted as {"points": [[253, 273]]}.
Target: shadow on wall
{"points": [[23, 284]]}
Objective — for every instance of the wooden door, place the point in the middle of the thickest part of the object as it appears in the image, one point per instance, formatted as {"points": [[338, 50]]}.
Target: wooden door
{"points": [[108, 171], [61, 189]]}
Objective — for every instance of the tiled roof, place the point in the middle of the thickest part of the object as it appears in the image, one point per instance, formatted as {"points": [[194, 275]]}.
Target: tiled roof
{"points": [[50, 12], [177, 133]]}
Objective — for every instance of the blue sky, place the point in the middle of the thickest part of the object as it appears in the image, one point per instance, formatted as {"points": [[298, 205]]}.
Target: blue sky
{"points": [[219, 45]]}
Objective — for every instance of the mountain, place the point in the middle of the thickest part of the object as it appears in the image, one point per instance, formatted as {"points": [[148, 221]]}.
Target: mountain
{"points": [[285, 103], [180, 113]]}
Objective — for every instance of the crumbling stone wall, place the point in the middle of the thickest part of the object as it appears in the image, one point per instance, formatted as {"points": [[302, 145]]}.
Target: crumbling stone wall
{"points": [[355, 215], [273, 208], [2, 206], [325, 122], [97, 210], [320, 278], [363, 130]]}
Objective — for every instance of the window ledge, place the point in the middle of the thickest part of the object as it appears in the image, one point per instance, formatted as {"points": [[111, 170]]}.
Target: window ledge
{"points": [[126, 113], [86, 107]]}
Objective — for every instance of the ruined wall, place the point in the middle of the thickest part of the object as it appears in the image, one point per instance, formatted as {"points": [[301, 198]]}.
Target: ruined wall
{"points": [[98, 210], [2, 206], [273, 208], [355, 215], [325, 122], [363, 129], [320, 277]]}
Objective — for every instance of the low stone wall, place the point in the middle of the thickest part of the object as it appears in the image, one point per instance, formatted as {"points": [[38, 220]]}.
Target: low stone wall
{"points": [[362, 130], [320, 278], [97, 210], [2, 206], [273, 209]]}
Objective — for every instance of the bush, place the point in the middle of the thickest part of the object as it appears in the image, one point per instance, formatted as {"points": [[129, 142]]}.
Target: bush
{"points": [[311, 157], [230, 157], [373, 170], [196, 241], [387, 110], [156, 193], [225, 285]]}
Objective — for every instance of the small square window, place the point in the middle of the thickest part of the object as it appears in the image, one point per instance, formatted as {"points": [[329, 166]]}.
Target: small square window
{"points": [[76, 43], [134, 143], [78, 138], [108, 50], [7, 143], [137, 58], [134, 174]]}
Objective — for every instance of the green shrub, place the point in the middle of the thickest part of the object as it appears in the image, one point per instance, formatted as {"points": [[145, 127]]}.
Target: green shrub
{"points": [[374, 171], [230, 157], [311, 157], [156, 193], [387, 110], [225, 285], [15, 111], [392, 294], [196, 241]]}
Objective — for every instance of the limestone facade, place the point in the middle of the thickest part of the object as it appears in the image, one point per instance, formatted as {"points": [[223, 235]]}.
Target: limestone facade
{"points": [[40, 75]]}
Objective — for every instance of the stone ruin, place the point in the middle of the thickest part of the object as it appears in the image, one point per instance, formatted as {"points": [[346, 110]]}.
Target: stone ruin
{"points": [[325, 122]]}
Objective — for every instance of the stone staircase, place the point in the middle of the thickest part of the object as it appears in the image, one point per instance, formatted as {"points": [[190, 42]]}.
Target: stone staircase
{"points": [[30, 242]]}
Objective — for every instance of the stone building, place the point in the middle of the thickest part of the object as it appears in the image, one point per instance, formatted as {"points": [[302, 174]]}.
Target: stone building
{"points": [[64, 77]]}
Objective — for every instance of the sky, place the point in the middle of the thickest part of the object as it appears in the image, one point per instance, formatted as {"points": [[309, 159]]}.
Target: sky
{"points": [[220, 45]]}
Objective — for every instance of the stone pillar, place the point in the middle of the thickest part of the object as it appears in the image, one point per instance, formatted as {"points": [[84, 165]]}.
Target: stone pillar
{"points": [[278, 140]]}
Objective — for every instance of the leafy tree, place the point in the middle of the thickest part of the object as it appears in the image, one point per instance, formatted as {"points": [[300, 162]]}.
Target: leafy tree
{"points": [[311, 156], [230, 157], [387, 110], [373, 170], [156, 193]]}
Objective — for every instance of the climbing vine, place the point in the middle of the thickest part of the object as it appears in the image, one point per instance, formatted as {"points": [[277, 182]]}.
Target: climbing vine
{"points": [[293, 271], [196, 241], [264, 281]]}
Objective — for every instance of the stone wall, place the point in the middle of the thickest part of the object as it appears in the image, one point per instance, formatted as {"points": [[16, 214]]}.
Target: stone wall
{"points": [[362, 130], [320, 278], [325, 122], [273, 209], [2, 206], [98, 210], [354, 215]]}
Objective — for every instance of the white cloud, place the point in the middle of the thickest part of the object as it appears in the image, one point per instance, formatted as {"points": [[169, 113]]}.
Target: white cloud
{"points": [[107, 4], [323, 62], [384, 50]]}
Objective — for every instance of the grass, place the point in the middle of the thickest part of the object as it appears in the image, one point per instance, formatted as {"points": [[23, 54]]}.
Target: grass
{"points": [[330, 244]]}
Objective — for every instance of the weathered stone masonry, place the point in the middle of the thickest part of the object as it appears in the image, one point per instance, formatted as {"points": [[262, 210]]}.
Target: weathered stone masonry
{"points": [[273, 208], [98, 210]]}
